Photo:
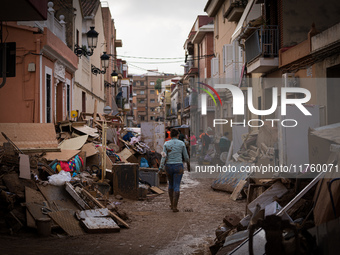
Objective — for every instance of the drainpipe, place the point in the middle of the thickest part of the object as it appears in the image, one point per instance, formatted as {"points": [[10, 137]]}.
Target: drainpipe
{"points": [[36, 87]]}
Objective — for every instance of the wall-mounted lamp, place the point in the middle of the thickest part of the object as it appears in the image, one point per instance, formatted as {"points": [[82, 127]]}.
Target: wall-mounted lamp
{"points": [[114, 76], [92, 38], [105, 64]]}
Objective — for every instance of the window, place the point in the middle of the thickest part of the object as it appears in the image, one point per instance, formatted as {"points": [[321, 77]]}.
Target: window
{"points": [[152, 83], [68, 100], [77, 37], [152, 100], [142, 92], [152, 91], [152, 118], [152, 109], [134, 83], [141, 101], [142, 83], [83, 101], [48, 98], [141, 117]]}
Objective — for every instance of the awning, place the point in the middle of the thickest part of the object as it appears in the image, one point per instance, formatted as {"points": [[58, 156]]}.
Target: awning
{"points": [[239, 26]]}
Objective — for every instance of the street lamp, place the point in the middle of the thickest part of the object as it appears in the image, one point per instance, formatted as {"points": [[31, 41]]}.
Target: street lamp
{"points": [[105, 64], [114, 77], [92, 38]]}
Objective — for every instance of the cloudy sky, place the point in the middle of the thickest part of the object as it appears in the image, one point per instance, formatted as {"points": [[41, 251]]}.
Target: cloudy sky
{"points": [[154, 29]]}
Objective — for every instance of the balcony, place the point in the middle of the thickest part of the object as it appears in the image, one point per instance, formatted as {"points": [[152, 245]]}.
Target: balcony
{"points": [[141, 96], [179, 106], [56, 26], [234, 10], [262, 48]]}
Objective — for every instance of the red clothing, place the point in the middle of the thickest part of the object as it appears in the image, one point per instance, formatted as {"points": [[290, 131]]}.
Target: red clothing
{"points": [[167, 136], [193, 140]]}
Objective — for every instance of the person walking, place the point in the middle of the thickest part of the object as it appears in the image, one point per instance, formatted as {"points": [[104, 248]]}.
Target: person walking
{"points": [[174, 151]]}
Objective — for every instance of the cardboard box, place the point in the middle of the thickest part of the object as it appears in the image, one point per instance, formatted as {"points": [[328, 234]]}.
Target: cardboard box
{"points": [[128, 156]]}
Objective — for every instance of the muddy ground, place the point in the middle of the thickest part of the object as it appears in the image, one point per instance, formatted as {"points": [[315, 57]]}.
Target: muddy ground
{"points": [[154, 228]]}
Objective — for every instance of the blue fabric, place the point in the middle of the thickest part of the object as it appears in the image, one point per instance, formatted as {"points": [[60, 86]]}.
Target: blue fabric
{"points": [[174, 173], [175, 151], [128, 136], [144, 163]]}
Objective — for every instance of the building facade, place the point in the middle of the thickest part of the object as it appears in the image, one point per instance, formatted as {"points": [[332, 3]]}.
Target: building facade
{"points": [[146, 106], [41, 89]]}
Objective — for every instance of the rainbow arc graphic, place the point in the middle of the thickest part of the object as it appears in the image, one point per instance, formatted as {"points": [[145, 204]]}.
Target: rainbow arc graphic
{"points": [[204, 98]]}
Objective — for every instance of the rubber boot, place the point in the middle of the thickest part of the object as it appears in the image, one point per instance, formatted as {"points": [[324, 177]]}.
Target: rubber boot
{"points": [[175, 201], [171, 196]]}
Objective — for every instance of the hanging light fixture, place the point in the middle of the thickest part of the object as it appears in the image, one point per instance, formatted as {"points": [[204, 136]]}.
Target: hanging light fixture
{"points": [[114, 77], [105, 64], [92, 38]]}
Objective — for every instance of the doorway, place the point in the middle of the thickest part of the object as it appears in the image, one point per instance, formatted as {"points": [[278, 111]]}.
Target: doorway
{"points": [[59, 102]]}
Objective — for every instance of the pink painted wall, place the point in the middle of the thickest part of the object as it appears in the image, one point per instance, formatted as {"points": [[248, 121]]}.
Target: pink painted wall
{"points": [[20, 97]]}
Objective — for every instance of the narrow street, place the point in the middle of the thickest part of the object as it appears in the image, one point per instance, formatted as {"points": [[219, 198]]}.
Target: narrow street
{"points": [[154, 228]]}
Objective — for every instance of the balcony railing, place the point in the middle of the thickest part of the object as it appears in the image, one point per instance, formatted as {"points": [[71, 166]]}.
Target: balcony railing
{"points": [[56, 26], [263, 42]]}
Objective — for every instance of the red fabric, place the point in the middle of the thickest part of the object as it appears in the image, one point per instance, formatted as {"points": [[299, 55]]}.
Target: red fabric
{"points": [[65, 166]]}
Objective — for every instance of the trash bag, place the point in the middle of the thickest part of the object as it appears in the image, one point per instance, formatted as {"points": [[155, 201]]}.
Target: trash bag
{"points": [[144, 162], [59, 179]]}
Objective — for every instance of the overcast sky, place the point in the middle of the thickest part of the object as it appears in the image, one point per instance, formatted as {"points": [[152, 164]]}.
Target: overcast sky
{"points": [[154, 29]]}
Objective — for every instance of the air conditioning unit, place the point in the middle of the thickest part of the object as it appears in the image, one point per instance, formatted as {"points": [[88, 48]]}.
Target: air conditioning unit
{"points": [[289, 80]]}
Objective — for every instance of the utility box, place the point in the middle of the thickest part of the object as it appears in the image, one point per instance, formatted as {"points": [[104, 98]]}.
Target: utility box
{"points": [[150, 175], [153, 134]]}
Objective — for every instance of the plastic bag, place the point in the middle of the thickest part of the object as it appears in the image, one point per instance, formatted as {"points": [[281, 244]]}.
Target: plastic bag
{"points": [[59, 179], [144, 162]]}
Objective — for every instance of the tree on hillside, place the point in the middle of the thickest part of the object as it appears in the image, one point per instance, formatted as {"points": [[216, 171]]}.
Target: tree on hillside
{"points": [[158, 85]]}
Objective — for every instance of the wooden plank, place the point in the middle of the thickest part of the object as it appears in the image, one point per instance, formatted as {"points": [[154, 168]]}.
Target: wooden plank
{"points": [[31, 196], [108, 161], [93, 132], [238, 190], [30, 135], [58, 193], [73, 143], [24, 167], [94, 200], [35, 210], [67, 222], [90, 149], [156, 190], [63, 155], [39, 150]]}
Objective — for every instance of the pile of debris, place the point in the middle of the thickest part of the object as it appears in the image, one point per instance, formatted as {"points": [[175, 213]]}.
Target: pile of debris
{"points": [[57, 176], [259, 146], [284, 215]]}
